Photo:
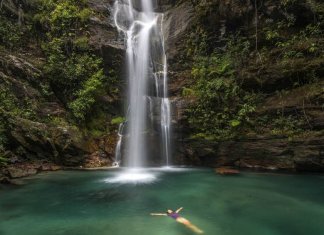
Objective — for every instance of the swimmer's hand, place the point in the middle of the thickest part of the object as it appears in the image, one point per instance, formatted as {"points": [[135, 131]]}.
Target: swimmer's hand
{"points": [[159, 214], [177, 211]]}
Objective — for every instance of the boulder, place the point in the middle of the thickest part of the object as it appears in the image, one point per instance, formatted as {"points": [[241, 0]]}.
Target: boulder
{"points": [[15, 172], [58, 144], [97, 159], [49, 167], [227, 171]]}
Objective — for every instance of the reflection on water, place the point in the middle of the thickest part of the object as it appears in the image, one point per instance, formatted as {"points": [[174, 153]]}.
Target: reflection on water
{"points": [[119, 202]]}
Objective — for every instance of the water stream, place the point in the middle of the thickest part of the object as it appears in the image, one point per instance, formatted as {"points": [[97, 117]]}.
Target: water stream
{"points": [[146, 64]]}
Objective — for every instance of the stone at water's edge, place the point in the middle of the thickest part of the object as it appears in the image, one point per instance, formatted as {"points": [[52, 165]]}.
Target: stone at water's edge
{"points": [[259, 153], [14, 172], [27, 169], [227, 171]]}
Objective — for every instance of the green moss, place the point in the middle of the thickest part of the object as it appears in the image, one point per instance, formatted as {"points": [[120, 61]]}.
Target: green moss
{"points": [[74, 71], [187, 92], [222, 107], [11, 35], [289, 126], [117, 120], [14, 106], [231, 81], [203, 136]]}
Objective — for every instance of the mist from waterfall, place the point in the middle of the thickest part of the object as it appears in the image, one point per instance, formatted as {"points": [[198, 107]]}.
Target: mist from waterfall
{"points": [[146, 63]]}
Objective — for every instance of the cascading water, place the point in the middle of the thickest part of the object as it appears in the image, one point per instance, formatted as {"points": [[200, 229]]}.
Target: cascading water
{"points": [[142, 30], [119, 144]]}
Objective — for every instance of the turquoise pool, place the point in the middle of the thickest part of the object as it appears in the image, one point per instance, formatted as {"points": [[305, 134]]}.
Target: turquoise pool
{"points": [[119, 202]]}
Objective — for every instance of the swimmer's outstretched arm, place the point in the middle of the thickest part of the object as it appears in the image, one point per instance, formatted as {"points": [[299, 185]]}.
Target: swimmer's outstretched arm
{"points": [[177, 211], [160, 214]]}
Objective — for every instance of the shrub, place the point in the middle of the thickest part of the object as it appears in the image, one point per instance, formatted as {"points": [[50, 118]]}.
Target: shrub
{"points": [[74, 71], [222, 106]]}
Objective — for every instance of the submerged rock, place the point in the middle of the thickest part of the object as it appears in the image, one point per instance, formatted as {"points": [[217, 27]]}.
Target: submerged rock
{"points": [[227, 171]]}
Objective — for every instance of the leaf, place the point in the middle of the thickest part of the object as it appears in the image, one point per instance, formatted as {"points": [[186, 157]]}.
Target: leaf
{"points": [[235, 123]]}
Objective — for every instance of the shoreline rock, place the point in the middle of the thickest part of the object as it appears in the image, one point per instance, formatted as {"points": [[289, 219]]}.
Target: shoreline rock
{"points": [[21, 170], [227, 171]]}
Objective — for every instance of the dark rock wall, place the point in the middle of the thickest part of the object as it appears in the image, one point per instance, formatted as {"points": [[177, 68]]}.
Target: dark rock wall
{"points": [[256, 151], [22, 74], [40, 127]]}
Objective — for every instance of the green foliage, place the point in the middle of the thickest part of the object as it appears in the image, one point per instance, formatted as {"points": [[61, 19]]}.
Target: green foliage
{"points": [[3, 139], [86, 97], [14, 106], [222, 107], [282, 125], [272, 35], [3, 159], [117, 120], [74, 72], [197, 42], [203, 8], [3, 136], [187, 92], [287, 126], [11, 35], [288, 2], [67, 15], [302, 44], [98, 124], [238, 49], [67, 72]]}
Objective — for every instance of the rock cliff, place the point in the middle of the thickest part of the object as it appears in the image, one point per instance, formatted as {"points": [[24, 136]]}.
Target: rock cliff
{"points": [[282, 65], [283, 83]]}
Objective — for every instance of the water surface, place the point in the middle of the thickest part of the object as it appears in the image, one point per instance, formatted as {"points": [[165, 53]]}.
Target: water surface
{"points": [[103, 202]]}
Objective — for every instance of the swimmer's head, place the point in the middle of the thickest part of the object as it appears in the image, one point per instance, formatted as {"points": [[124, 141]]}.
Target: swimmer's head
{"points": [[169, 211]]}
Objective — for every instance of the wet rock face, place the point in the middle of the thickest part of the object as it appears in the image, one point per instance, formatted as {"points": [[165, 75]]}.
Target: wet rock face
{"points": [[259, 153], [68, 146], [43, 141], [102, 31], [62, 145], [30, 139], [104, 36], [177, 20], [265, 152]]}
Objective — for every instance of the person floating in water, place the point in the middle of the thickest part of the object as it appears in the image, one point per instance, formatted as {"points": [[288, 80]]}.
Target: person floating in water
{"points": [[175, 215]]}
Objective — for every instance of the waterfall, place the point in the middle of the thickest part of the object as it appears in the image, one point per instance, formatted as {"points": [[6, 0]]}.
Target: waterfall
{"points": [[119, 144], [146, 61]]}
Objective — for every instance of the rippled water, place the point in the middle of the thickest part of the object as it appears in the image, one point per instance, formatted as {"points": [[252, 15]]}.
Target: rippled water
{"points": [[106, 202]]}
